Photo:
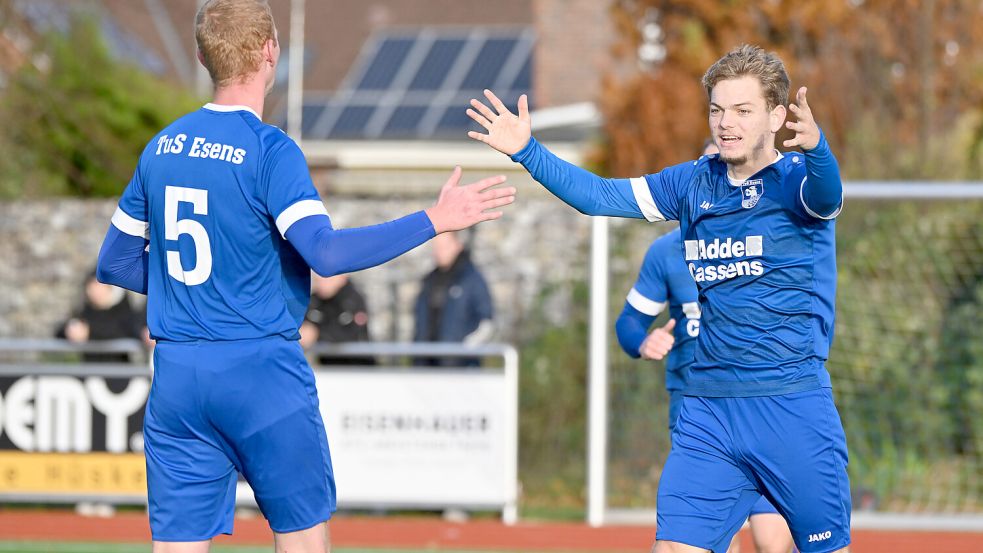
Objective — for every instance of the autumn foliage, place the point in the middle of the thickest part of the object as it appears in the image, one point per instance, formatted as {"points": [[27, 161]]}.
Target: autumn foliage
{"points": [[897, 85]]}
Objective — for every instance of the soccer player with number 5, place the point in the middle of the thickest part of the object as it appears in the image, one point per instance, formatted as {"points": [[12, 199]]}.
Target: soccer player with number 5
{"points": [[234, 225], [758, 237]]}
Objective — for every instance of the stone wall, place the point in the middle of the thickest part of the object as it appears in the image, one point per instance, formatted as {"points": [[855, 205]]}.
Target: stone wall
{"points": [[531, 255]]}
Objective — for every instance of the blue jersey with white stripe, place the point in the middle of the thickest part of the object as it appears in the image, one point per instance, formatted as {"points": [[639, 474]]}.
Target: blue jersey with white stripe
{"points": [[665, 279], [764, 262], [214, 193], [765, 268]]}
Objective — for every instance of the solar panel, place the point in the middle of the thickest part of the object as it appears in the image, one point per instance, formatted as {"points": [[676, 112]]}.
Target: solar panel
{"points": [[492, 57], [351, 121], [455, 120], [310, 116], [434, 68], [415, 83], [404, 120], [523, 79], [382, 68]]}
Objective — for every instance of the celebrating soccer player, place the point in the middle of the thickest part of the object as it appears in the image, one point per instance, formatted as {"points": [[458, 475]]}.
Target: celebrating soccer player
{"points": [[234, 225], [757, 227], [664, 280]]}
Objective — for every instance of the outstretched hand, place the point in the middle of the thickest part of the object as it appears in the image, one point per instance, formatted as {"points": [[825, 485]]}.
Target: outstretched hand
{"points": [[806, 130], [508, 133], [658, 343], [461, 206]]}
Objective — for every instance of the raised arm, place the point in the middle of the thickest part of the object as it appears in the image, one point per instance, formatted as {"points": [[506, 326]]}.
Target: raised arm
{"points": [[584, 191], [821, 193], [330, 251]]}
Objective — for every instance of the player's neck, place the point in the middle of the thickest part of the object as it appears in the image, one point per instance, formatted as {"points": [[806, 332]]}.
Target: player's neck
{"points": [[251, 94], [750, 166]]}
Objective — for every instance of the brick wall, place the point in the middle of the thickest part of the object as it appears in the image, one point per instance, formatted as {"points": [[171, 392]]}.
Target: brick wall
{"points": [[572, 50]]}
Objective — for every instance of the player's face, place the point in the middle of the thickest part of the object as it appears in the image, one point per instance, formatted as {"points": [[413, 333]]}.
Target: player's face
{"points": [[742, 126]]}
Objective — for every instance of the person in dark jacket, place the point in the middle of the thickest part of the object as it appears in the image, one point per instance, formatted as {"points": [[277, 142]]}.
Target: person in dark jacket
{"points": [[105, 314], [337, 313], [454, 304]]}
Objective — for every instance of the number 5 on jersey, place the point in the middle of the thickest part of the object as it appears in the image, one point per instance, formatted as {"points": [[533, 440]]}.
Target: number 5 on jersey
{"points": [[174, 228]]}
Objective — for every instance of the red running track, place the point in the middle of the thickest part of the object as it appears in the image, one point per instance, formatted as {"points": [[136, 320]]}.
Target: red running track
{"points": [[431, 533]]}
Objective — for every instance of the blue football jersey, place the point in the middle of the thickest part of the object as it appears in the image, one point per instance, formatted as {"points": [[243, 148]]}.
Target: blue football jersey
{"points": [[765, 268], [664, 278], [214, 193]]}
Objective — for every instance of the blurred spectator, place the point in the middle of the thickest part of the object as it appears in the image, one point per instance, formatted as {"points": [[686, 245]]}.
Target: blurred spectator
{"points": [[454, 304], [106, 314], [337, 313]]}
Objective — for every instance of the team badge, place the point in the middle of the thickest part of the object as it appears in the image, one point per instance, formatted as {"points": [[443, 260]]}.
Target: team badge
{"points": [[751, 192]]}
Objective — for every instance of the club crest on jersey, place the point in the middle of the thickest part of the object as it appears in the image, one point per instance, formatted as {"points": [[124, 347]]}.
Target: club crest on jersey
{"points": [[751, 192]]}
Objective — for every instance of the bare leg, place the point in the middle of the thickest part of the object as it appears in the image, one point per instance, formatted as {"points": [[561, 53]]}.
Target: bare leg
{"points": [[735, 544], [676, 547], [311, 540], [770, 533], [182, 546]]}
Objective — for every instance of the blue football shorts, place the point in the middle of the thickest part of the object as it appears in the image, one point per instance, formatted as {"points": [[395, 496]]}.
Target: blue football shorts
{"points": [[675, 403], [762, 506], [729, 452], [217, 409]]}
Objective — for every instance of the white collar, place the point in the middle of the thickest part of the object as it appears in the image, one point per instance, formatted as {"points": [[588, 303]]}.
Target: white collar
{"points": [[226, 109], [738, 182]]}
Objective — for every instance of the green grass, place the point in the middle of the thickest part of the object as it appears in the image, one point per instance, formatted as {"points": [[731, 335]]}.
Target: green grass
{"points": [[94, 547]]}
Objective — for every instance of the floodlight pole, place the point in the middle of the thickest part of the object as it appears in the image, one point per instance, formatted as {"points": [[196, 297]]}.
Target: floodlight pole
{"points": [[598, 374], [295, 80]]}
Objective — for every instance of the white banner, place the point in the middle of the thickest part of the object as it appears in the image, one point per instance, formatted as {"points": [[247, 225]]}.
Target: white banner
{"points": [[417, 438]]}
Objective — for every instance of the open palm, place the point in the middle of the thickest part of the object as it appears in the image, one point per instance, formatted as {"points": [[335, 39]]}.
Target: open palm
{"points": [[461, 206], [507, 132], [806, 130]]}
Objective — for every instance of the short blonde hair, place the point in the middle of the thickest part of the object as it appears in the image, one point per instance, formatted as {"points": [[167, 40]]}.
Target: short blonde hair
{"points": [[752, 61], [231, 35]]}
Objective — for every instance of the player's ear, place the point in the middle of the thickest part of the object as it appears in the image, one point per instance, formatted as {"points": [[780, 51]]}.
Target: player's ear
{"points": [[201, 57], [777, 118], [269, 51]]}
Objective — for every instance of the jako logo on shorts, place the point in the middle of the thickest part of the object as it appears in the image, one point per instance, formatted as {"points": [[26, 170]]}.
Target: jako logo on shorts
{"points": [[820, 536]]}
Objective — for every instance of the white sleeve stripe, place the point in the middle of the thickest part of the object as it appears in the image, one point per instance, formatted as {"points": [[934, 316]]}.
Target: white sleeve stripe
{"points": [[298, 211], [129, 225], [643, 197], [802, 199], [645, 305]]}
